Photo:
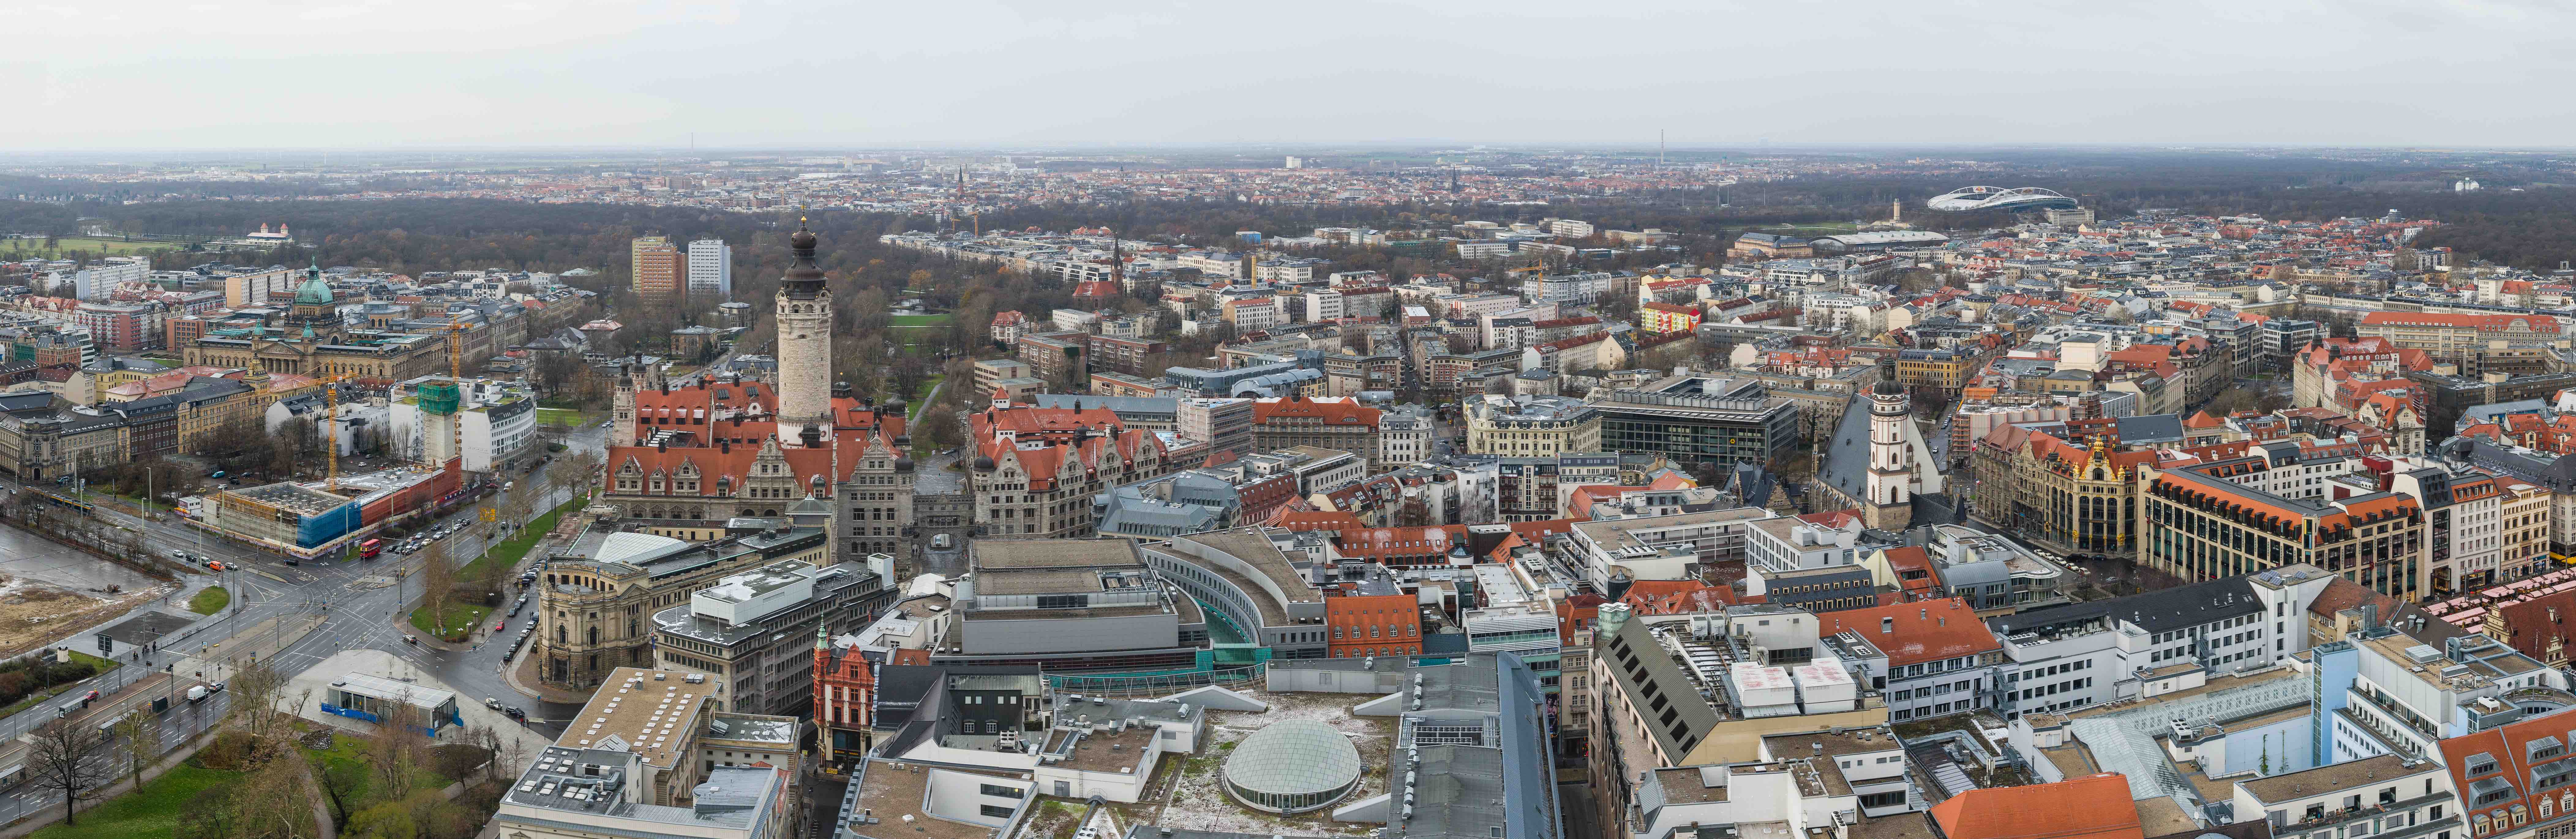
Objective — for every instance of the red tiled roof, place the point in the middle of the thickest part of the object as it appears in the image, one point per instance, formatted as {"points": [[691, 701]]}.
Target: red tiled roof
{"points": [[1924, 631], [2074, 808], [1907, 560], [2535, 323], [1676, 597], [1342, 411]]}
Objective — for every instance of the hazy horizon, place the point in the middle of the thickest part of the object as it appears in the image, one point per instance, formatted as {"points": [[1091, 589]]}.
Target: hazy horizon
{"points": [[767, 75]]}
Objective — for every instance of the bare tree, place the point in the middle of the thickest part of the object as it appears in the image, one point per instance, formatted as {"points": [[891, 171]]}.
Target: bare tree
{"points": [[399, 750], [508, 753], [576, 469], [437, 584], [57, 755], [142, 744], [256, 690], [274, 802]]}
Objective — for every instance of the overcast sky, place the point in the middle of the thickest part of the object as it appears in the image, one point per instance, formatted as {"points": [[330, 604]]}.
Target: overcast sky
{"points": [[255, 73]]}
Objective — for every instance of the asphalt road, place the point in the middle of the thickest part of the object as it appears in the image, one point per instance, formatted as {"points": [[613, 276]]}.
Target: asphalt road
{"points": [[361, 611], [184, 720]]}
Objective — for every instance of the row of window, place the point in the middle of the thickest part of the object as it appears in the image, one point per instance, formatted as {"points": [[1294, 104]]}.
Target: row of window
{"points": [[2055, 689], [1937, 690]]}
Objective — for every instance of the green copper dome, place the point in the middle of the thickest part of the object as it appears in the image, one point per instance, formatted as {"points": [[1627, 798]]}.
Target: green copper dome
{"points": [[313, 292]]}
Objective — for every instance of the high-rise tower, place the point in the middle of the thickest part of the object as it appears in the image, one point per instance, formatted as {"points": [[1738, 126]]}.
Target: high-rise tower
{"points": [[657, 268], [711, 269], [804, 347]]}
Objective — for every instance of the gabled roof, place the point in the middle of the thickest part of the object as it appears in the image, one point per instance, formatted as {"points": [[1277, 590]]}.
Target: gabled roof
{"points": [[1913, 633], [2090, 807]]}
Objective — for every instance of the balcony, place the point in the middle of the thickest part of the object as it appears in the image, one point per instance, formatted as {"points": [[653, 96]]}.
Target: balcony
{"points": [[2315, 819], [2401, 714]]}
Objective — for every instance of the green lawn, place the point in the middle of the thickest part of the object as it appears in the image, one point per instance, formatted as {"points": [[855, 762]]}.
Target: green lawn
{"points": [[919, 403], [213, 599], [151, 813], [460, 619], [511, 550], [565, 416], [73, 243], [916, 320], [353, 750]]}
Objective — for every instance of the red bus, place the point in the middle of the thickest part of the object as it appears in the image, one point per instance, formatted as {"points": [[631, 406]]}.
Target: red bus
{"points": [[371, 548]]}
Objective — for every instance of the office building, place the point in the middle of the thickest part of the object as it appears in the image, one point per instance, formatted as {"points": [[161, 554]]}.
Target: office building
{"points": [[657, 266], [1320, 422], [730, 631], [2220, 518], [651, 757], [1693, 418], [1531, 426], [711, 269]]}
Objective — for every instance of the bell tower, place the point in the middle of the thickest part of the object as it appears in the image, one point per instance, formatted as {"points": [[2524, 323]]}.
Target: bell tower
{"points": [[1890, 505], [804, 346]]}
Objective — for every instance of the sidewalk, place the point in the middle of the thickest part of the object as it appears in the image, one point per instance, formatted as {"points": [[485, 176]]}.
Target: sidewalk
{"points": [[259, 641], [124, 784], [522, 675]]}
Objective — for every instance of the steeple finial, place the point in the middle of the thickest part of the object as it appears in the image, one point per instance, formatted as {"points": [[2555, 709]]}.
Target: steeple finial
{"points": [[804, 277]]}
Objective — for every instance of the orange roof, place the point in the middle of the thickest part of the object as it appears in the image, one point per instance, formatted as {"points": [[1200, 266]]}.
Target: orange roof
{"points": [[1913, 633], [1908, 559], [1675, 597], [2141, 354], [2070, 809], [728, 448], [2203, 420], [1836, 519], [1314, 520], [1341, 411], [2535, 323]]}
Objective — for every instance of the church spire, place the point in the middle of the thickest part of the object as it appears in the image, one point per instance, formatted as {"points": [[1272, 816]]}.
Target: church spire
{"points": [[804, 276]]}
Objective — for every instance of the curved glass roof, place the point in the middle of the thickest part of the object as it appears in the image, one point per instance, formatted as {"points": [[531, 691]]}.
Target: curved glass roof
{"points": [[1294, 756]]}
